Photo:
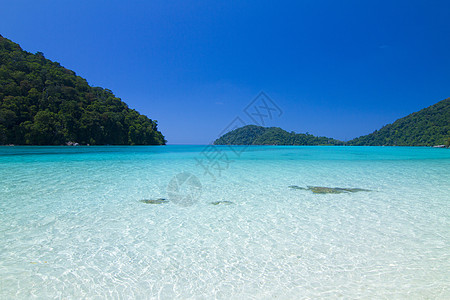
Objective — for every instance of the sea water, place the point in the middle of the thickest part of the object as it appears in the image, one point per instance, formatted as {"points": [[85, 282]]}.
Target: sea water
{"points": [[72, 224]]}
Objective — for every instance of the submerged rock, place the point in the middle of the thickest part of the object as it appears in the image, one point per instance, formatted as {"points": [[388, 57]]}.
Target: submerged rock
{"points": [[328, 190], [222, 202], [154, 201], [296, 187]]}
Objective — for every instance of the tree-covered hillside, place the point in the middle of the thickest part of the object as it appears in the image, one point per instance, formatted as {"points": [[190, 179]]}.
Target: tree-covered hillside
{"points": [[258, 135], [427, 127], [43, 103]]}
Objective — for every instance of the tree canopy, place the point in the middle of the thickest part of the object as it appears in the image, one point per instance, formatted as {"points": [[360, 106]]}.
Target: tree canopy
{"points": [[427, 127], [43, 103], [258, 135]]}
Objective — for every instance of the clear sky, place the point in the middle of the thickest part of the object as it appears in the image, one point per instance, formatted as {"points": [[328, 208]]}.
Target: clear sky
{"points": [[336, 68]]}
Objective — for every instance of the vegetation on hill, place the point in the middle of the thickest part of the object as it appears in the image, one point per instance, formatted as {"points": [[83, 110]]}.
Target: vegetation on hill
{"points": [[43, 103], [258, 135], [427, 127]]}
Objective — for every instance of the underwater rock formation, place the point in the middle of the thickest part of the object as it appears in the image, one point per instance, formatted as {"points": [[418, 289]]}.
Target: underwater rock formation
{"points": [[154, 201], [222, 202], [328, 190]]}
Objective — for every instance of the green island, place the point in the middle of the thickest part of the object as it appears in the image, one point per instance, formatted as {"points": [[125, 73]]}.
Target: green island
{"points": [[427, 127], [43, 103], [258, 135]]}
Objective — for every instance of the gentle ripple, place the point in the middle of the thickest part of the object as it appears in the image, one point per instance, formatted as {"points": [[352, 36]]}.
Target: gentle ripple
{"points": [[72, 226]]}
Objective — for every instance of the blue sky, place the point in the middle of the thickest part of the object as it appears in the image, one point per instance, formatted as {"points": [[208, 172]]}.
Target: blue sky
{"points": [[336, 68]]}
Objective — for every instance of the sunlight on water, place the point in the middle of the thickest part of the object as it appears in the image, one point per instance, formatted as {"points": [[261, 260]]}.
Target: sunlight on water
{"points": [[72, 223]]}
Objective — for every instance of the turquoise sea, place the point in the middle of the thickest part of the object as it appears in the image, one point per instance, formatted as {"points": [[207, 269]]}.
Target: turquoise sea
{"points": [[72, 224]]}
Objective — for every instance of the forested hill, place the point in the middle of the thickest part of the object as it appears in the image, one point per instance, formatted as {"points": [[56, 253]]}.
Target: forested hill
{"points": [[43, 103], [258, 135], [427, 127]]}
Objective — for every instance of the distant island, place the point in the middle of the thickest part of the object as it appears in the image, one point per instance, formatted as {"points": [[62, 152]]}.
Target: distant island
{"points": [[258, 135], [43, 103], [428, 127]]}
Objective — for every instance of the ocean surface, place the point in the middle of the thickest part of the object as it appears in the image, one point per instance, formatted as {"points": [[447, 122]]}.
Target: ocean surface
{"points": [[225, 224]]}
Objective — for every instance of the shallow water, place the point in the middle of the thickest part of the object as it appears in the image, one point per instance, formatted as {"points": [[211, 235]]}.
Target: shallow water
{"points": [[72, 224]]}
